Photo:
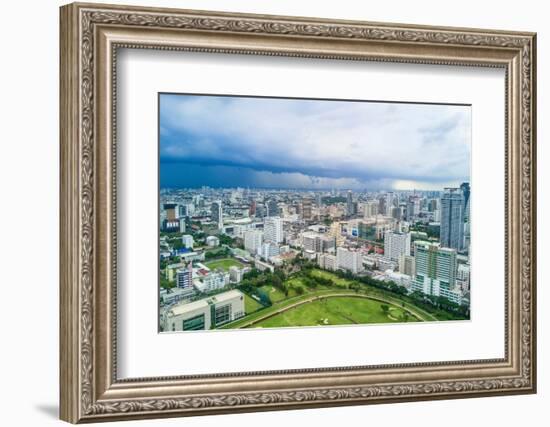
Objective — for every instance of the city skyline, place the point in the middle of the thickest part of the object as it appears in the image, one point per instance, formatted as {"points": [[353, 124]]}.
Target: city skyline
{"points": [[227, 142]]}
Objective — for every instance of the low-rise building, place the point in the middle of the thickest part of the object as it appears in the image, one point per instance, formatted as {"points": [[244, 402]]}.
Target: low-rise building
{"points": [[204, 314], [212, 281], [174, 295], [235, 274], [187, 241], [212, 241], [327, 261]]}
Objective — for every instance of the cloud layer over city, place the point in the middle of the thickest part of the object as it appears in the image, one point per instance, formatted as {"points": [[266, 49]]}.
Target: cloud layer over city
{"points": [[282, 143]]}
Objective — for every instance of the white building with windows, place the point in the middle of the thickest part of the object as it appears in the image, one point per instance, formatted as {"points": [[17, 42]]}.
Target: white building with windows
{"points": [[268, 250], [396, 244], [253, 241], [273, 230], [236, 274], [187, 241], [327, 261], [436, 269], [212, 241], [349, 260], [211, 282]]}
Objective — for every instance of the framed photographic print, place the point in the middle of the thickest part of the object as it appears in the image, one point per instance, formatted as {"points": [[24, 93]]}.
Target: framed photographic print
{"points": [[265, 212]]}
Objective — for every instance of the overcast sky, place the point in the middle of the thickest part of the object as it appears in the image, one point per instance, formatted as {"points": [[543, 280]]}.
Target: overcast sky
{"points": [[311, 144]]}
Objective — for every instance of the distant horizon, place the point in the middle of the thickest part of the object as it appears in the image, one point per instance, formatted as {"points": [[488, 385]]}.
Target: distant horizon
{"points": [[316, 145], [317, 190]]}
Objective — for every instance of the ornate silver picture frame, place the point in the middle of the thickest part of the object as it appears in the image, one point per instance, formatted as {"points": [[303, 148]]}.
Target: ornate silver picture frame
{"points": [[91, 36]]}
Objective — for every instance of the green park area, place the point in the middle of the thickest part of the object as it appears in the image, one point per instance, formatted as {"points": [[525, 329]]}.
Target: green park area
{"points": [[338, 310], [223, 264], [317, 297]]}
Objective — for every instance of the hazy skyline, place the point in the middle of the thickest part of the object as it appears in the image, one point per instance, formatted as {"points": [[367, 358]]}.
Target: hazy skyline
{"points": [[311, 144]]}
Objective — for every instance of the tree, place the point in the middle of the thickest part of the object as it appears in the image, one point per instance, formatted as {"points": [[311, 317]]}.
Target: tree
{"points": [[300, 290], [385, 308]]}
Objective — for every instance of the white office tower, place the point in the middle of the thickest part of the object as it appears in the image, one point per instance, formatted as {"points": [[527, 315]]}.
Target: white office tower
{"points": [[436, 269], [253, 241], [273, 230], [217, 213], [349, 260], [396, 244]]}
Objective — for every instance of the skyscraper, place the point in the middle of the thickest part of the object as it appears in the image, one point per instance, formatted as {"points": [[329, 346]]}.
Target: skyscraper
{"points": [[306, 209], [452, 219], [435, 271], [465, 188], [217, 213], [349, 204], [272, 207]]}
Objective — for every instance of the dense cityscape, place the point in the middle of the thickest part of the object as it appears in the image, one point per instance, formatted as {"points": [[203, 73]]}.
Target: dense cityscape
{"points": [[253, 257]]}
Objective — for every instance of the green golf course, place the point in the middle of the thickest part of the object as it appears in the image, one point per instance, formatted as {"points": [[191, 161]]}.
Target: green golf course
{"points": [[337, 310]]}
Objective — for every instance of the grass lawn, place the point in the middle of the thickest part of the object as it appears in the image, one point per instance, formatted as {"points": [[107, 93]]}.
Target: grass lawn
{"points": [[276, 295], [335, 311], [251, 305], [223, 263], [338, 281]]}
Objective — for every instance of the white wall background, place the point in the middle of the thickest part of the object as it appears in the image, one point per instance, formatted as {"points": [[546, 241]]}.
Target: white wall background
{"points": [[29, 170]]}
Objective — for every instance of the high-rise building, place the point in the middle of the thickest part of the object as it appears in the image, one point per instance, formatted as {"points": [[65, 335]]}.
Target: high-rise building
{"points": [[413, 207], [397, 213], [319, 200], [172, 211], [435, 270], [273, 230], [307, 209], [272, 208], [382, 205], [370, 209], [184, 277], [217, 213], [452, 219], [465, 188], [253, 241], [349, 260], [396, 244], [260, 211], [335, 232], [252, 208], [350, 207], [390, 197]]}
